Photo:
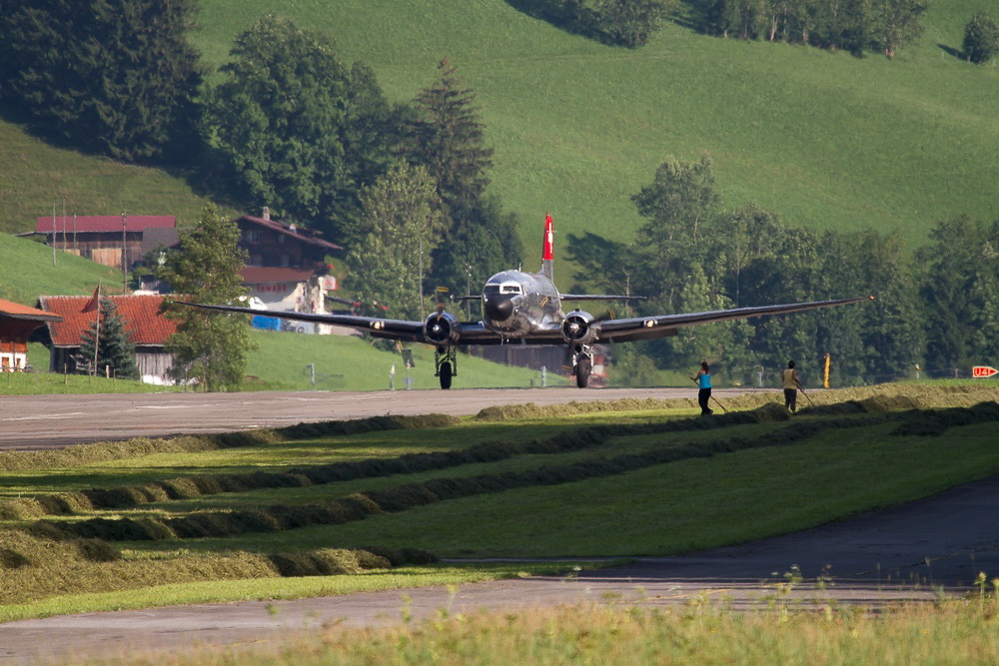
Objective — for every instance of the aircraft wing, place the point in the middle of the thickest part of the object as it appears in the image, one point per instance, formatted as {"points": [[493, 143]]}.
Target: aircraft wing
{"points": [[660, 326], [393, 329], [469, 333]]}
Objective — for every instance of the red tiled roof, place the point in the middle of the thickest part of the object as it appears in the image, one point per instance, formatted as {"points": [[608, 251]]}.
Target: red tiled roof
{"points": [[18, 311], [267, 275], [103, 223], [140, 313]]}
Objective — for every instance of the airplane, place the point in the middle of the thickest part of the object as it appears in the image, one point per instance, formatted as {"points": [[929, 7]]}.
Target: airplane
{"points": [[526, 308]]}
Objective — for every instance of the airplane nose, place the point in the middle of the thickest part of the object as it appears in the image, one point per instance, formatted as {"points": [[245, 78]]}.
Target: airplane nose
{"points": [[499, 308]]}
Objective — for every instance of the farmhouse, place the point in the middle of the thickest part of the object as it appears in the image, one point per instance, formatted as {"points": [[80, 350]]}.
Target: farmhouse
{"points": [[274, 244], [148, 329], [108, 239], [286, 267], [17, 323]]}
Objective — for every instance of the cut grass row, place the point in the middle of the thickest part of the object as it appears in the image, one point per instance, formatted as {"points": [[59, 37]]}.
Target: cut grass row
{"points": [[692, 503]]}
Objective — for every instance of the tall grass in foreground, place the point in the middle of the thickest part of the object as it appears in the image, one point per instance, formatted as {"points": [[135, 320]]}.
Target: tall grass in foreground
{"points": [[953, 633]]}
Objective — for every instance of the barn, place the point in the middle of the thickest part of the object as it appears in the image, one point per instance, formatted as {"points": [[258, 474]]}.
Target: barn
{"points": [[148, 329]]}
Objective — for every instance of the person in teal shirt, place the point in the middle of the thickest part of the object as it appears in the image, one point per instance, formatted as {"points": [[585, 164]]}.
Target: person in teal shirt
{"points": [[703, 380]]}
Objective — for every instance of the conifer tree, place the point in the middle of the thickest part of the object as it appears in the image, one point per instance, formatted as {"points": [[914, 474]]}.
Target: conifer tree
{"points": [[447, 137], [115, 351], [117, 77]]}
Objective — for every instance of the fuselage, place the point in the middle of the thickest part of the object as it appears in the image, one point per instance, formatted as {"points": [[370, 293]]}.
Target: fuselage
{"points": [[515, 303]]}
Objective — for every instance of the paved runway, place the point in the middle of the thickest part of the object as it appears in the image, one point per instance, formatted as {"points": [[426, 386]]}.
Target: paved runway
{"points": [[903, 553], [35, 422]]}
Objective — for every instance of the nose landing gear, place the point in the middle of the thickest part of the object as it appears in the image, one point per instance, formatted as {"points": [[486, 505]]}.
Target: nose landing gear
{"points": [[582, 364]]}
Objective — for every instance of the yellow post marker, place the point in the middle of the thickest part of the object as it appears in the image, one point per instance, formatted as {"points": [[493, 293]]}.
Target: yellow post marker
{"points": [[825, 376]]}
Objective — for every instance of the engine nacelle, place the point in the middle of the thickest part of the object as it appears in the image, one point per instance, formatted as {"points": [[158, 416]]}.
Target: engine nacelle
{"points": [[579, 328], [441, 328]]}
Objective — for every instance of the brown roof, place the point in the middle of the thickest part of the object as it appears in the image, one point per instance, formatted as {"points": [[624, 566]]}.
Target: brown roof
{"points": [[11, 310], [304, 235], [140, 312], [268, 275], [103, 223]]}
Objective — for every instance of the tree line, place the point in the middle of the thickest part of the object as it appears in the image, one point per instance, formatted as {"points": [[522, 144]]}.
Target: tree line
{"points": [[855, 26], [937, 307]]}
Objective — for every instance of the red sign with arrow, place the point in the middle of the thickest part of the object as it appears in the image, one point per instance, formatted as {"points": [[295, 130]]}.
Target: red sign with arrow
{"points": [[983, 371]]}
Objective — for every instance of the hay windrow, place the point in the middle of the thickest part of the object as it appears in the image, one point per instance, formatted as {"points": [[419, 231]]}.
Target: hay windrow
{"points": [[33, 567], [85, 454]]}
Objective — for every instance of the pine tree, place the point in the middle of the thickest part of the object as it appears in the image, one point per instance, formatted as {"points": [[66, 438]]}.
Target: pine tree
{"points": [[447, 138], [115, 351]]}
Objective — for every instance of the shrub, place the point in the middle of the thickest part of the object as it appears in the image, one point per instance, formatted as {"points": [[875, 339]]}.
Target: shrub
{"points": [[981, 38]]}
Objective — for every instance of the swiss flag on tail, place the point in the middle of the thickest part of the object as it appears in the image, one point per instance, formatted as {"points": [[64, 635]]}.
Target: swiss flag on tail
{"points": [[548, 253], [92, 304]]}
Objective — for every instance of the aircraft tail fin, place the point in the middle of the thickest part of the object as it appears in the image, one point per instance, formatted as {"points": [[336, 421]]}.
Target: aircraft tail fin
{"points": [[548, 249]]}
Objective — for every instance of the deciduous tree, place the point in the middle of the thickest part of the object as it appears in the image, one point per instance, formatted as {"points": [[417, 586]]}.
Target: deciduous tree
{"points": [[981, 38], [898, 22], [402, 223], [208, 347], [300, 131]]}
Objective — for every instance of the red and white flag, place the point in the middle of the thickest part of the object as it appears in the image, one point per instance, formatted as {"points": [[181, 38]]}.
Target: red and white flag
{"points": [[548, 252]]}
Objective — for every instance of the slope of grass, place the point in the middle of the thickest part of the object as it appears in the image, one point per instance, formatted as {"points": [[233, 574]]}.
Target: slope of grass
{"points": [[37, 176], [28, 270], [291, 361]]}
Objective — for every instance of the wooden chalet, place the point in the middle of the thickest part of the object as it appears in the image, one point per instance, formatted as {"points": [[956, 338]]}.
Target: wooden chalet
{"points": [[148, 329], [286, 268], [17, 323], [270, 243], [108, 239]]}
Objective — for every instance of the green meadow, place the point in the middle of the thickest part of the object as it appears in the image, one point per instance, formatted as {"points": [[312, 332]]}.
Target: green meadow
{"points": [[828, 140]]}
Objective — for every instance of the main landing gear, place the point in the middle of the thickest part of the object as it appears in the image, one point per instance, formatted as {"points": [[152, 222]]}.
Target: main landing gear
{"points": [[446, 361], [582, 364]]}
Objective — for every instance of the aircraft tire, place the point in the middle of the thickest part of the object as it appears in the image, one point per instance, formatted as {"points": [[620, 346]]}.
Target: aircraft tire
{"points": [[582, 372], [445, 374]]}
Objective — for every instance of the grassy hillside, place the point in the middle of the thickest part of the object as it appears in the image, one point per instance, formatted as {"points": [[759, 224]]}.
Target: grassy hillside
{"points": [[27, 272], [828, 140], [37, 176]]}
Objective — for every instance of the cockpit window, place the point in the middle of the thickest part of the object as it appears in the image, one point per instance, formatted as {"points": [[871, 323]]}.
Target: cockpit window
{"points": [[510, 288]]}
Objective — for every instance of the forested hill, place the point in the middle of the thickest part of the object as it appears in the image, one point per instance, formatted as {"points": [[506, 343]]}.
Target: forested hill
{"points": [[826, 139]]}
